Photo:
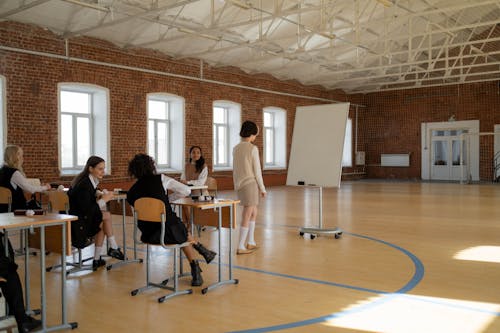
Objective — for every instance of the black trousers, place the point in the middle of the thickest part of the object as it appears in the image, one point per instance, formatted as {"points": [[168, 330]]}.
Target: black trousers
{"points": [[12, 288], [13, 293]]}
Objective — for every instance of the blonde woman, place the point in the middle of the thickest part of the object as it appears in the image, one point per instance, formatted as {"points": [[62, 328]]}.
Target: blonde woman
{"points": [[13, 178]]}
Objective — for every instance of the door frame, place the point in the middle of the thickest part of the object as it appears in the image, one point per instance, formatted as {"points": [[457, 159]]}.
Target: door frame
{"points": [[426, 144]]}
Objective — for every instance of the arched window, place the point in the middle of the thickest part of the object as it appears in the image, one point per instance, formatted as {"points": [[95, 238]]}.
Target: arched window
{"points": [[83, 125], [274, 133], [166, 131], [347, 154], [3, 115], [226, 133]]}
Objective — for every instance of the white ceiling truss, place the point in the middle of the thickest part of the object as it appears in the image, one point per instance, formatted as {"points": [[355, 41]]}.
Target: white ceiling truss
{"points": [[358, 46]]}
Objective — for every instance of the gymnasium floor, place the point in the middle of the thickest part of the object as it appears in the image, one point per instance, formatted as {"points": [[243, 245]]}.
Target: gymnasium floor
{"points": [[414, 257]]}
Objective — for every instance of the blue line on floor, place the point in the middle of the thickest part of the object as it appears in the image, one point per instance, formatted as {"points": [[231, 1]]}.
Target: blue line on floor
{"points": [[417, 277]]}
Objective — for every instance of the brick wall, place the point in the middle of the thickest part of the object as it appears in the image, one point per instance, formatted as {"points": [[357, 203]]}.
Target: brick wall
{"points": [[389, 124], [31, 86]]}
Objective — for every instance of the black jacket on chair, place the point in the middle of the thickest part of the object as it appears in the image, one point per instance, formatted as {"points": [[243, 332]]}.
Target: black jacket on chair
{"points": [[83, 203]]}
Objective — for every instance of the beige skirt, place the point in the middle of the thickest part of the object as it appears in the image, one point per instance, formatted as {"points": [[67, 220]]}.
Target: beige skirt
{"points": [[249, 194]]}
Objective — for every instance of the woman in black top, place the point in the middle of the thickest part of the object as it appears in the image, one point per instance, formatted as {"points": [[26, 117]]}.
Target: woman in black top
{"points": [[12, 177], [153, 185], [89, 204]]}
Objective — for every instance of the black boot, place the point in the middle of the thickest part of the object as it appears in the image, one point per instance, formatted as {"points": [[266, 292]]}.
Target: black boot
{"points": [[206, 253], [196, 274]]}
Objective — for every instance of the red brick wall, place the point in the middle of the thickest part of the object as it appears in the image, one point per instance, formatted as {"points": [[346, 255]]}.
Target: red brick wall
{"points": [[31, 86], [389, 124]]}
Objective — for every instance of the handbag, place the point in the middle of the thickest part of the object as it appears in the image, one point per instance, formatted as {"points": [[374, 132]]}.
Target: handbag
{"points": [[33, 203]]}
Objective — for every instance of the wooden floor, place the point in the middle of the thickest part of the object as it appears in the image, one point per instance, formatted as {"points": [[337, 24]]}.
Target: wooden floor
{"points": [[414, 257]]}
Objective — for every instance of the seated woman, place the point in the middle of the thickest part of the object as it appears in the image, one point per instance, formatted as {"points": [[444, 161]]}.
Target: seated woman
{"points": [[89, 204], [12, 177], [13, 290], [195, 174], [195, 171], [153, 185]]}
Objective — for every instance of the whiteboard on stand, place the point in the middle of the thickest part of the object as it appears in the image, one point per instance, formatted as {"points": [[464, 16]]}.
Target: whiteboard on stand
{"points": [[317, 145]]}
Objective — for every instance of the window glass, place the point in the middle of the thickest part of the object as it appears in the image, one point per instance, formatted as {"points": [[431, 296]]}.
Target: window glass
{"points": [[225, 132], [83, 126], [165, 136], [75, 102], [274, 136]]}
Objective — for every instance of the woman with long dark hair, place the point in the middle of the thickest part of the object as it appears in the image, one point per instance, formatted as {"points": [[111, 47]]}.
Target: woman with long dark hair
{"points": [[89, 204], [195, 171]]}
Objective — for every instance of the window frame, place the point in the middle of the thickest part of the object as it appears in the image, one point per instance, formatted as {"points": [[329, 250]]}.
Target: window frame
{"points": [[167, 124], [216, 127], [175, 131], [348, 144], [279, 130], [99, 134], [233, 122], [3, 114]]}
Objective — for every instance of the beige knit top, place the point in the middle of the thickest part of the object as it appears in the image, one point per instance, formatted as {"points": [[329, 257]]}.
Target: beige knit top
{"points": [[246, 166]]}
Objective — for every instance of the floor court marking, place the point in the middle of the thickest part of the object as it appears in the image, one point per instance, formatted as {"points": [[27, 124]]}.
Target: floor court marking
{"points": [[416, 278]]}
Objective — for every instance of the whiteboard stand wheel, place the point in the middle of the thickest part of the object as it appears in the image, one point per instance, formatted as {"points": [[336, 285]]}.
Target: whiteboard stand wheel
{"points": [[300, 233], [313, 236], [337, 236]]}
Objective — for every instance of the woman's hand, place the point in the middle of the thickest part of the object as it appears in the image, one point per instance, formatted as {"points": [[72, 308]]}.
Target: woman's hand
{"points": [[263, 194], [107, 196]]}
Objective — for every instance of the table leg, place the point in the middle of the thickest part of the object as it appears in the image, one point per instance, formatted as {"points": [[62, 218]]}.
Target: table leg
{"points": [[43, 305], [221, 282]]}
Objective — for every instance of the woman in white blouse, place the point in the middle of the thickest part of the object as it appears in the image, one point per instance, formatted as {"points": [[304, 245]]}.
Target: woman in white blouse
{"points": [[13, 178]]}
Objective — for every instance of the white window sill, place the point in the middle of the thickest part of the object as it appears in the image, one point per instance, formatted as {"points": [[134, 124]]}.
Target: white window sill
{"points": [[274, 168], [168, 170], [223, 169], [70, 172]]}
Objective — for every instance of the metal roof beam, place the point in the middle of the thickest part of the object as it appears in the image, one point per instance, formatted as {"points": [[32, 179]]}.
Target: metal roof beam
{"points": [[129, 17], [22, 8]]}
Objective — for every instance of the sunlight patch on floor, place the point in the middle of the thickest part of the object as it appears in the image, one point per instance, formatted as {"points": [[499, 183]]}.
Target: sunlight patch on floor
{"points": [[480, 253], [417, 314]]}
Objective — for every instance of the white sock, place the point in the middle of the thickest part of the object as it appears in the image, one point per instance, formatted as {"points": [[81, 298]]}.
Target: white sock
{"points": [[112, 242], [251, 230], [98, 252], [243, 238]]}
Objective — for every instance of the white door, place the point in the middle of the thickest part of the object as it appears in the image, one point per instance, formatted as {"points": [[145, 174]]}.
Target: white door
{"points": [[448, 154]]}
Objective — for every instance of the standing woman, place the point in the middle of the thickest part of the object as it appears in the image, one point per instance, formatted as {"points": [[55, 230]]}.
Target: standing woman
{"points": [[89, 204], [248, 183], [12, 177]]}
